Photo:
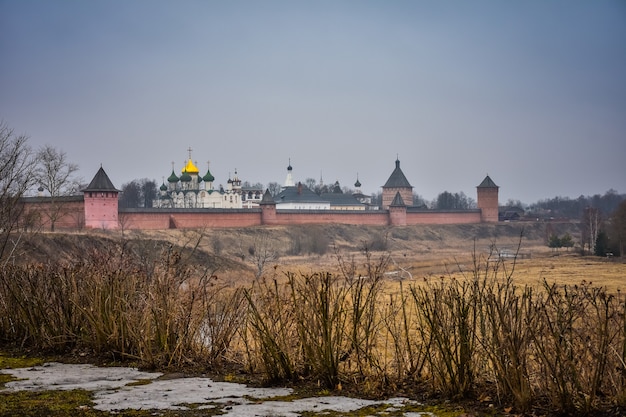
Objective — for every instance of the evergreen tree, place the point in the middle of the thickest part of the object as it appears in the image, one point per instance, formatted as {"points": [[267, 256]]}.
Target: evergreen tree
{"points": [[602, 244], [567, 241], [554, 242]]}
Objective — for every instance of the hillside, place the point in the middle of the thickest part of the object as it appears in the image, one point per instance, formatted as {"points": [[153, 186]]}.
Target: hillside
{"points": [[236, 253]]}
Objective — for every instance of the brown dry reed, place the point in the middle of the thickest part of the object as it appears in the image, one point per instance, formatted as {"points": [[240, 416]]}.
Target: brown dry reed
{"points": [[561, 347]]}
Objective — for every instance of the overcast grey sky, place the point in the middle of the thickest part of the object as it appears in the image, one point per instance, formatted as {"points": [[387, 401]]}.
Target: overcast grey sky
{"points": [[532, 93]]}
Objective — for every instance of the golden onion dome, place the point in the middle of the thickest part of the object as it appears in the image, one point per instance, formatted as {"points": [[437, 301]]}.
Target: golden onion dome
{"points": [[190, 168]]}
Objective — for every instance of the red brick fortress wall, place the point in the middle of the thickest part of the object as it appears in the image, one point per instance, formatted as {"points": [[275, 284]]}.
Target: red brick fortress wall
{"points": [[153, 219], [443, 217], [360, 217], [215, 218], [161, 219], [70, 213]]}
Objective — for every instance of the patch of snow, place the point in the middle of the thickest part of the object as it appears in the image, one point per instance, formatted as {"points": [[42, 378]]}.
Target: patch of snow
{"points": [[112, 392], [295, 408], [175, 393], [58, 376]]}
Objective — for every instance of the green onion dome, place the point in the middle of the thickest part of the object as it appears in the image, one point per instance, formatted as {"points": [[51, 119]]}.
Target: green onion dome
{"points": [[172, 178], [208, 177], [185, 177]]}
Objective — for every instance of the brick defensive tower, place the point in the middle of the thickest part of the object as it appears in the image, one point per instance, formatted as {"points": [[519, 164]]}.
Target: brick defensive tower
{"points": [[487, 193], [101, 203], [397, 183]]}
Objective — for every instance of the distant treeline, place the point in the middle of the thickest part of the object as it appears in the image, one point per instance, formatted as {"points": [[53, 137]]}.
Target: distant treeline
{"points": [[565, 207]]}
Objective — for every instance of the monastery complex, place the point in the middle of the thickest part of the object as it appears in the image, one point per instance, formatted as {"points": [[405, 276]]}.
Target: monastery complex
{"points": [[191, 201]]}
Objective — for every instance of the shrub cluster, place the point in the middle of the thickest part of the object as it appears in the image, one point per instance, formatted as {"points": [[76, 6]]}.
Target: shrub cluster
{"points": [[117, 303], [562, 347], [311, 240]]}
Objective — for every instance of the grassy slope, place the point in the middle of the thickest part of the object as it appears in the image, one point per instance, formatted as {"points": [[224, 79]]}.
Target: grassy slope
{"points": [[422, 250]]}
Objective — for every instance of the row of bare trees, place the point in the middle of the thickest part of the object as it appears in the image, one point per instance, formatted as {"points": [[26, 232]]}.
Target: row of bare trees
{"points": [[21, 170]]}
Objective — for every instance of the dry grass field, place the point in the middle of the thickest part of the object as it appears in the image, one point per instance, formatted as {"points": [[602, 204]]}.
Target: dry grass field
{"points": [[416, 252]]}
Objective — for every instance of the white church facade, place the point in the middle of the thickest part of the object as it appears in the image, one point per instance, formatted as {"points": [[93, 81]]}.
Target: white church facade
{"points": [[191, 190]]}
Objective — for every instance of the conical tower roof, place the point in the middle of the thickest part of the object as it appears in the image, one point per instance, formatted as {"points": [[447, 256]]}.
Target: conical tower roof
{"points": [[267, 198], [397, 201], [397, 178], [101, 182], [487, 183]]}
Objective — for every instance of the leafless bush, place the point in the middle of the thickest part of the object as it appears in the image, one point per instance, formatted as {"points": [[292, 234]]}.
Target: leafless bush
{"points": [[262, 251], [319, 325], [217, 245], [509, 318], [574, 342], [317, 241], [111, 302], [272, 343], [379, 242], [402, 324], [224, 314], [309, 241], [450, 314], [34, 306]]}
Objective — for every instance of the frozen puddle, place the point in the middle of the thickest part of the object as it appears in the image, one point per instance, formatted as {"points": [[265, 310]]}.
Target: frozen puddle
{"points": [[117, 389]]}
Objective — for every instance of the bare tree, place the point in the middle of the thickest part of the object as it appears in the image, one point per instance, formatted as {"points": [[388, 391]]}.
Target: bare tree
{"points": [[590, 224], [274, 188], [55, 174], [262, 252], [16, 177], [311, 183], [377, 199]]}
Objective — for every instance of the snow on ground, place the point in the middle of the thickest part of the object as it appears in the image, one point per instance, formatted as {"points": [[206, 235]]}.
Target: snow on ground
{"points": [[112, 392]]}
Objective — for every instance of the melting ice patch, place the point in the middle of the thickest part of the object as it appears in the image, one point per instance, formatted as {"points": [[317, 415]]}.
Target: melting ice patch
{"points": [[112, 392]]}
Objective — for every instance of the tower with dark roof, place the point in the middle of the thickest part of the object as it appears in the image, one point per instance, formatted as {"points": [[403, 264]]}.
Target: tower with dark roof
{"points": [[289, 180], [397, 211], [487, 195], [397, 183], [101, 202], [268, 208]]}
